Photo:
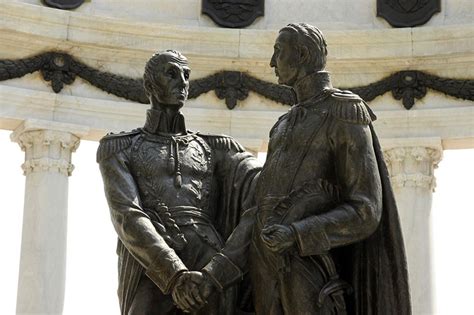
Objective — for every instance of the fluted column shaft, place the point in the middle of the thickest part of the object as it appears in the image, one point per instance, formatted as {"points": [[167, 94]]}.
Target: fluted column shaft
{"points": [[48, 147], [411, 164]]}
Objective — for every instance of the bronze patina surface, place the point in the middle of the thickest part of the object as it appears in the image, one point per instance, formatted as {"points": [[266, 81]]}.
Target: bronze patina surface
{"points": [[325, 236], [174, 196], [315, 231]]}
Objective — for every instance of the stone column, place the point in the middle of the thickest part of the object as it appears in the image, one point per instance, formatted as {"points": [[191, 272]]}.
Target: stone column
{"points": [[411, 163], [48, 147]]}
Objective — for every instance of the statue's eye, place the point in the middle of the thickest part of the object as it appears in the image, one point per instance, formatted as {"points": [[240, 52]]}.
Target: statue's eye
{"points": [[186, 75]]}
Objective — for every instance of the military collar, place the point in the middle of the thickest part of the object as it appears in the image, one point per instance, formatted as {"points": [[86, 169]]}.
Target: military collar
{"points": [[312, 85], [314, 100], [158, 122]]}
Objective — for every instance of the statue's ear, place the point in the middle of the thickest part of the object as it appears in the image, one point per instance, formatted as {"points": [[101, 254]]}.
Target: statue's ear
{"points": [[148, 88], [304, 55]]}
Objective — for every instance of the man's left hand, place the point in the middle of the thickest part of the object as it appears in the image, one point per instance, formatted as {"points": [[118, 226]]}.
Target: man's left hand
{"points": [[278, 238]]}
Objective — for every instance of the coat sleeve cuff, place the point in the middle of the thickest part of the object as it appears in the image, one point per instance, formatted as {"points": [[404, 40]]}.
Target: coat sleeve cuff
{"points": [[164, 271], [222, 271], [311, 237]]}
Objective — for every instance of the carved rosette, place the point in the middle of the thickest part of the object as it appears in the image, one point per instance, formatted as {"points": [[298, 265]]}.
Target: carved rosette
{"points": [[47, 151], [413, 166]]}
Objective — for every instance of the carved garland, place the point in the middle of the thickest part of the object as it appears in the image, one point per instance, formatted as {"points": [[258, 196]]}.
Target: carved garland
{"points": [[231, 86]]}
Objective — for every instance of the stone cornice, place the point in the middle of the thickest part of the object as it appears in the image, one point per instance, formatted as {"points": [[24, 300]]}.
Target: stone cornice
{"points": [[27, 29], [453, 125]]}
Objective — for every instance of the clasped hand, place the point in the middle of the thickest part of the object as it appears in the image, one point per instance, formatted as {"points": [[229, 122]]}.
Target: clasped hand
{"points": [[191, 290], [278, 238]]}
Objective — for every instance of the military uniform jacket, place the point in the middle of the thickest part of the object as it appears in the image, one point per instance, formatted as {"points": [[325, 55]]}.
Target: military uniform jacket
{"points": [[330, 137], [195, 178]]}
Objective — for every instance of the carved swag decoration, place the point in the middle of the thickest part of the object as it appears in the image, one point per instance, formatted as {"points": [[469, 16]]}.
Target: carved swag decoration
{"points": [[231, 86]]}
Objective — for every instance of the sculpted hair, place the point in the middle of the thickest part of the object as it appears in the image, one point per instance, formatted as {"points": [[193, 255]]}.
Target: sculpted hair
{"points": [[153, 64], [313, 39]]}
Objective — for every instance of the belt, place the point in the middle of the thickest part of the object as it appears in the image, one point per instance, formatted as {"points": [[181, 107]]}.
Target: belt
{"points": [[186, 215], [189, 216]]}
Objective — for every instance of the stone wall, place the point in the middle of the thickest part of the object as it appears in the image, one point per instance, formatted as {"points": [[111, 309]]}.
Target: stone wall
{"points": [[328, 15]]}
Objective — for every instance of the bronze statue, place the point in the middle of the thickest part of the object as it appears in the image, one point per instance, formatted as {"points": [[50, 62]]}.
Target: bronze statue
{"points": [[174, 196], [325, 236]]}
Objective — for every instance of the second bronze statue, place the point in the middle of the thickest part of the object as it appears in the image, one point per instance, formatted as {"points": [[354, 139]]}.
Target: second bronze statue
{"points": [[325, 236]]}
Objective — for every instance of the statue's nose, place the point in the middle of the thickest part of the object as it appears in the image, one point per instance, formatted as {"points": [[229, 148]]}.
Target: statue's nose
{"points": [[272, 61], [182, 80]]}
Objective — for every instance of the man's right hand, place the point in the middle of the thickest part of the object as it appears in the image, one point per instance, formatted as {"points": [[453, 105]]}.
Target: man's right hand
{"points": [[191, 290]]}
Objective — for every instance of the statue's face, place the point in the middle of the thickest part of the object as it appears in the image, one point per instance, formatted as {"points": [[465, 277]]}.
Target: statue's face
{"points": [[284, 58], [172, 80]]}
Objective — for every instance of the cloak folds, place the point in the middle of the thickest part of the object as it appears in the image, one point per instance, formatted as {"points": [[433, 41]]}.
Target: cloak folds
{"points": [[377, 265]]}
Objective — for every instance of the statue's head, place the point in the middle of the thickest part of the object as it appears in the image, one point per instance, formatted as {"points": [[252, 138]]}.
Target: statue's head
{"points": [[300, 49], [166, 79]]}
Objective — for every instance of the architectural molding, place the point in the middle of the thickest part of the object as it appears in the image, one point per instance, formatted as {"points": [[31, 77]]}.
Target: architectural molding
{"points": [[412, 164], [250, 126], [61, 69], [47, 165], [47, 150], [408, 86], [121, 42], [413, 180]]}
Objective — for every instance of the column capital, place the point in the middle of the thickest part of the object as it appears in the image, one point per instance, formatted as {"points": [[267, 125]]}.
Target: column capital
{"points": [[411, 161], [48, 145]]}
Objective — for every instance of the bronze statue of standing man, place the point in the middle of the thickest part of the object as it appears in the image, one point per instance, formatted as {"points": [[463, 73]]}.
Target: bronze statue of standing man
{"points": [[325, 236], [174, 196]]}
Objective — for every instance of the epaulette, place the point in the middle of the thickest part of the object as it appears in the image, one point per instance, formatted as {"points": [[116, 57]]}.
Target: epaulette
{"points": [[222, 142], [114, 142], [349, 107]]}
